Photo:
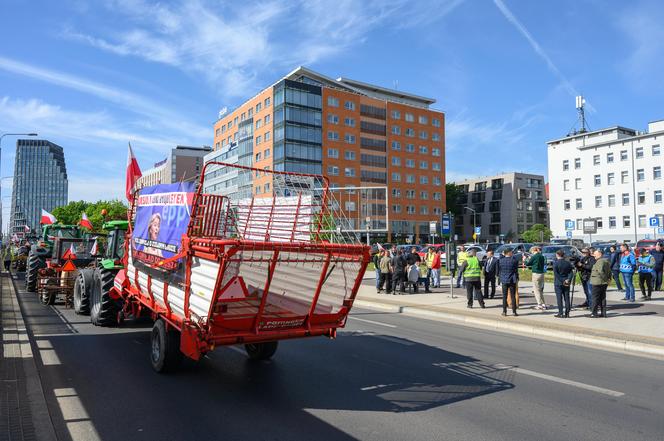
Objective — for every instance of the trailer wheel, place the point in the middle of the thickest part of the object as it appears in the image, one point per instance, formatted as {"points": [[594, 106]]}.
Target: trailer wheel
{"points": [[103, 309], [82, 291], [165, 354], [261, 351], [35, 263]]}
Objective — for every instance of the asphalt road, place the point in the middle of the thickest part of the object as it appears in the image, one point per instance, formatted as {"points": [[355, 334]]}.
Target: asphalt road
{"points": [[386, 377]]}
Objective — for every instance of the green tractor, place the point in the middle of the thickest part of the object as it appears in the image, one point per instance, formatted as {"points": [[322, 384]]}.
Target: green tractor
{"points": [[41, 251], [92, 286]]}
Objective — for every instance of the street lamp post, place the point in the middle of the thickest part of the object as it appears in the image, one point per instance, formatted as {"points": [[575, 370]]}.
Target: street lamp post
{"points": [[474, 219], [2, 136]]}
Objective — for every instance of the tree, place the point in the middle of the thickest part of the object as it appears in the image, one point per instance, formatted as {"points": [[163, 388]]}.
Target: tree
{"points": [[70, 214], [537, 233], [452, 196]]}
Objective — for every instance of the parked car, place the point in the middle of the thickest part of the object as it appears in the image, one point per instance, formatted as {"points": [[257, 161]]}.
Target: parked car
{"points": [[549, 253], [519, 249], [646, 243], [492, 246]]}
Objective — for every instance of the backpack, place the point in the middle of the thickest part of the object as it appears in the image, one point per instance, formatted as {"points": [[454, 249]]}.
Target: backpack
{"points": [[413, 273]]}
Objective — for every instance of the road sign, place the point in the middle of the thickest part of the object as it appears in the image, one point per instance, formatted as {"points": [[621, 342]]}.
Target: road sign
{"points": [[432, 227], [589, 226], [446, 224], [569, 224], [654, 221], [660, 230], [478, 230], [569, 234]]}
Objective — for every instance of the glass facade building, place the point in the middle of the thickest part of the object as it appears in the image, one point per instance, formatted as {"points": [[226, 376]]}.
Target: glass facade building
{"points": [[40, 182]]}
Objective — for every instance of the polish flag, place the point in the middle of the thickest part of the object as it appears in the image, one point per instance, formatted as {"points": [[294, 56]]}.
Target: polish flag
{"points": [[26, 228], [47, 218], [93, 250], [133, 173], [70, 253], [85, 222]]}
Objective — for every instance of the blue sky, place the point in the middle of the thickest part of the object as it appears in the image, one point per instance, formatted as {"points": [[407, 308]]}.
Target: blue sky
{"points": [[92, 76]]}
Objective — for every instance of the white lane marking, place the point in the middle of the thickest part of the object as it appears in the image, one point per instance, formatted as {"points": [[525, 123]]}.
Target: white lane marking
{"points": [[378, 386], [76, 417], [589, 387], [387, 325], [49, 357]]}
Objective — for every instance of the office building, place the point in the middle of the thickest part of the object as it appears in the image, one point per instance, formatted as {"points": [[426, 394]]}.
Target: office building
{"points": [[357, 134], [504, 206], [40, 182], [183, 163], [613, 175]]}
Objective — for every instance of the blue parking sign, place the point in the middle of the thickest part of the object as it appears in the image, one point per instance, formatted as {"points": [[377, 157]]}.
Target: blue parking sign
{"points": [[569, 234], [478, 230], [654, 221], [569, 224]]}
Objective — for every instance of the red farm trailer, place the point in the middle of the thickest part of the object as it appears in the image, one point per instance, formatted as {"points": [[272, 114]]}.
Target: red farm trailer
{"points": [[246, 268]]}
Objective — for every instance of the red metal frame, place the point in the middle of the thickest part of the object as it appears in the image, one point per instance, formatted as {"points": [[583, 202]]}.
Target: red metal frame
{"points": [[205, 239]]}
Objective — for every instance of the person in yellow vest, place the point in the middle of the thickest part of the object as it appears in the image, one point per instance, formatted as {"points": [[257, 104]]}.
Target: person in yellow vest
{"points": [[472, 270], [428, 259], [461, 258]]}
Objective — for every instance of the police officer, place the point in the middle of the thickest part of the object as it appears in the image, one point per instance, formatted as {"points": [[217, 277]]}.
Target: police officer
{"points": [[471, 270]]}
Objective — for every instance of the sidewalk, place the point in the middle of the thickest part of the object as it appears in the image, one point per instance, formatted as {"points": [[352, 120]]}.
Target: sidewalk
{"points": [[22, 403], [630, 327]]}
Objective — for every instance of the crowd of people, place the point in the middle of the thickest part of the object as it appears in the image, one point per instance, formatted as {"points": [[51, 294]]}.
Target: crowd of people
{"points": [[399, 271]]}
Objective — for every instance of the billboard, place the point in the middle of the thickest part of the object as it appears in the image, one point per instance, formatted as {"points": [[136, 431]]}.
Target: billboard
{"points": [[162, 217]]}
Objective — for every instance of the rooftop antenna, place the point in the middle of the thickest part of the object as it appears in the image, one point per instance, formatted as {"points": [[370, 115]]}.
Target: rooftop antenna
{"points": [[396, 84], [580, 107]]}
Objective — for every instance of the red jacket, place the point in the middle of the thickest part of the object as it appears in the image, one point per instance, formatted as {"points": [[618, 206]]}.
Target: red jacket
{"points": [[436, 262]]}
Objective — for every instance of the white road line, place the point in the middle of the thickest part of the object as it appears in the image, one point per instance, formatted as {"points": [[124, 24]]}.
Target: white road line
{"points": [[387, 325], [589, 387]]}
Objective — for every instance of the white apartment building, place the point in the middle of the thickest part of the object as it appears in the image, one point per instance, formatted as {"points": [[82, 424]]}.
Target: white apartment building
{"points": [[613, 175]]}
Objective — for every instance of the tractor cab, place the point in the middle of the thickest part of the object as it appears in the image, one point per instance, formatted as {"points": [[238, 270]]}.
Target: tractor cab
{"points": [[115, 244]]}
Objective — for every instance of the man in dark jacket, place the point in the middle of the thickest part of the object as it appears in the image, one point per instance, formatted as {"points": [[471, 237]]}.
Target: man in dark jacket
{"points": [[489, 270], [599, 279], [398, 272], [508, 272], [563, 273], [658, 254], [614, 261], [585, 266]]}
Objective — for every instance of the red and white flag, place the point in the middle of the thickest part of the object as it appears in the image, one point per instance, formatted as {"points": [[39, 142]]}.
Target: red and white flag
{"points": [[26, 228], [47, 218], [133, 173], [85, 222], [380, 247], [93, 250], [70, 253]]}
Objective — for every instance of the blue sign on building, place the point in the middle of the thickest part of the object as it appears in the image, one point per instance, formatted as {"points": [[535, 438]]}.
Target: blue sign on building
{"points": [[654, 221], [569, 224]]}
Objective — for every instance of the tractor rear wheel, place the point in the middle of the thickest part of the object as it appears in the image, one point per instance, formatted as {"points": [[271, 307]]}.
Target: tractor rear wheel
{"points": [[103, 308], [35, 263], [165, 354], [46, 296], [82, 291], [261, 351]]}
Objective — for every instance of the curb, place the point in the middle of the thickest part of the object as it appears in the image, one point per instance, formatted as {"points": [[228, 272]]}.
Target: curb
{"points": [[588, 338]]}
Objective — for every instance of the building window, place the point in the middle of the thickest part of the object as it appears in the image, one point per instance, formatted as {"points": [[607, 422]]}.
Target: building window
{"points": [[424, 150], [332, 118], [410, 209], [396, 193], [424, 134], [600, 223], [577, 183], [656, 150], [657, 172], [626, 222], [625, 199], [396, 208], [258, 156], [639, 152], [266, 103], [332, 101], [596, 160], [410, 117], [437, 181], [566, 204], [435, 166], [437, 196], [435, 152], [349, 155], [424, 195], [565, 165], [612, 222], [424, 209], [396, 177], [579, 224], [410, 148], [266, 120], [598, 180], [332, 136], [349, 105], [410, 132], [641, 197], [350, 122], [333, 153], [566, 185], [612, 200], [423, 119], [609, 158], [410, 179], [577, 163], [610, 178], [642, 220], [396, 114], [349, 172], [579, 203], [333, 170], [424, 165], [259, 139], [658, 196], [624, 176], [640, 175], [435, 137], [424, 180], [266, 153], [396, 130], [396, 161], [259, 106], [350, 139], [396, 145], [259, 123], [410, 194], [598, 201], [435, 122], [623, 155]]}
